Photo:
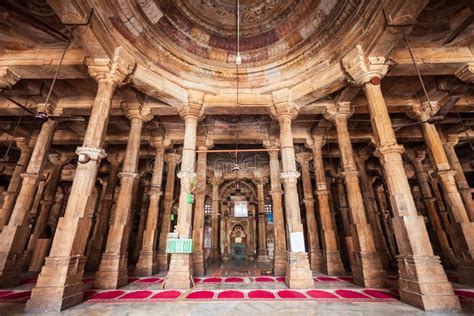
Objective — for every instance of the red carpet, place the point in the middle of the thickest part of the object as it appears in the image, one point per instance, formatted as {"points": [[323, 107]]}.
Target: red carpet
{"points": [[320, 294], [264, 279], [109, 295], [463, 293], [327, 279], [137, 295], [233, 280], [231, 295], [350, 294], [200, 295], [346, 279], [290, 294], [280, 279], [261, 294], [3, 293], [17, 296], [167, 295], [212, 280]]}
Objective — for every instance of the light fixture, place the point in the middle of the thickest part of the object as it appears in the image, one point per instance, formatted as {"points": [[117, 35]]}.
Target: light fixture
{"points": [[238, 58]]}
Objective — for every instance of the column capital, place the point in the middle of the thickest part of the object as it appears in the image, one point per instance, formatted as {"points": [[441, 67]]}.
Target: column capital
{"points": [[303, 158], [451, 140], [204, 142], [215, 181], [89, 153], [113, 71], [361, 69], [415, 154], [466, 73], [290, 175], [8, 78], [22, 143], [273, 146], [338, 110], [136, 111], [391, 149], [173, 158], [363, 154], [115, 158], [282, 106], [194, 108], [423, 111]]}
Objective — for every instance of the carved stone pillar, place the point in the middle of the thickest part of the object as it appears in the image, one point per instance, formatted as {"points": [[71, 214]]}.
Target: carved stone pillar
{"points": [[26, 148], [332, 263], [373, 213], [58, 161], [298, 271], [367, 270], [113, 268], [15, 234], [105, 207], [463, 186], [180, 271], [464, 242], [147, 263], [279, 263], [423, 282], [262, 253], [172, 160], [60, 281], [429, 201], [316, 259], [198, 223], [215, 246]]}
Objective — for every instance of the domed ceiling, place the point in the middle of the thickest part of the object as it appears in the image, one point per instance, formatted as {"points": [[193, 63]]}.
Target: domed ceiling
{"points": [[280, 39]]}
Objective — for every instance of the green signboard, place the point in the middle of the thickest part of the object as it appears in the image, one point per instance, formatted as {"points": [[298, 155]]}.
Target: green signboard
{"points": [[175, 245]]}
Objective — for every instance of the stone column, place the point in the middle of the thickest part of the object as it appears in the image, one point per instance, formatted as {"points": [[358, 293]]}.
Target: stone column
{"points": [[262, 253], [172, 160], [60, 281], [373, 213], [180, 271], [464, 228], [367, 270], [332, 263], [15, 234], [26, 148], [463, 185], [215, 246], [198, 222], [105, 208], [147, 263], [142, 204], [416, 158], [279, 262], [298, 271], [113, 268], [316, 259], [58, 161], [423, 282]]}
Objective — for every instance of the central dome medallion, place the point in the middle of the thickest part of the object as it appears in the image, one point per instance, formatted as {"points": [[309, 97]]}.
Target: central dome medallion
{"points": [[220, 16]]}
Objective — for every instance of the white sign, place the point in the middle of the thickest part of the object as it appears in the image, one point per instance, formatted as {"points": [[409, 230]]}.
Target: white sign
{"points": [[297, 242], [241, 209]]}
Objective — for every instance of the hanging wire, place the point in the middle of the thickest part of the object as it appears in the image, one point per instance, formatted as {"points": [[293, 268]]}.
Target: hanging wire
{"points": [[465, 130], [5, 156], [417, 69], [238, 59]]}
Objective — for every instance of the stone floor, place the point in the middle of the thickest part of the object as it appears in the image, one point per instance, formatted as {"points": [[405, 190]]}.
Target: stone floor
{"points": [[250, 272]]}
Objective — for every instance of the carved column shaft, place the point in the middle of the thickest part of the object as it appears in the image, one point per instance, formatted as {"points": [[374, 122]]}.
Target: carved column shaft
{"points": [[15, 234], [198, 224], [113, 269], [279, 265], [15, 180], [147, 264], [262, 254], [215, 248], [315, 255], [332, 261]]}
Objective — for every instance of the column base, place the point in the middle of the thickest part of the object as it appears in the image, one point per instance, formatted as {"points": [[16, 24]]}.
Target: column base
{"points": [[146, 265], [279, 263], [198, 263], [332, 265], [163, 261], [424, 284], [10, 275], [298, 274], [316, 260], [113, 271], [367, 270], [59, 285], [180, 273]]}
